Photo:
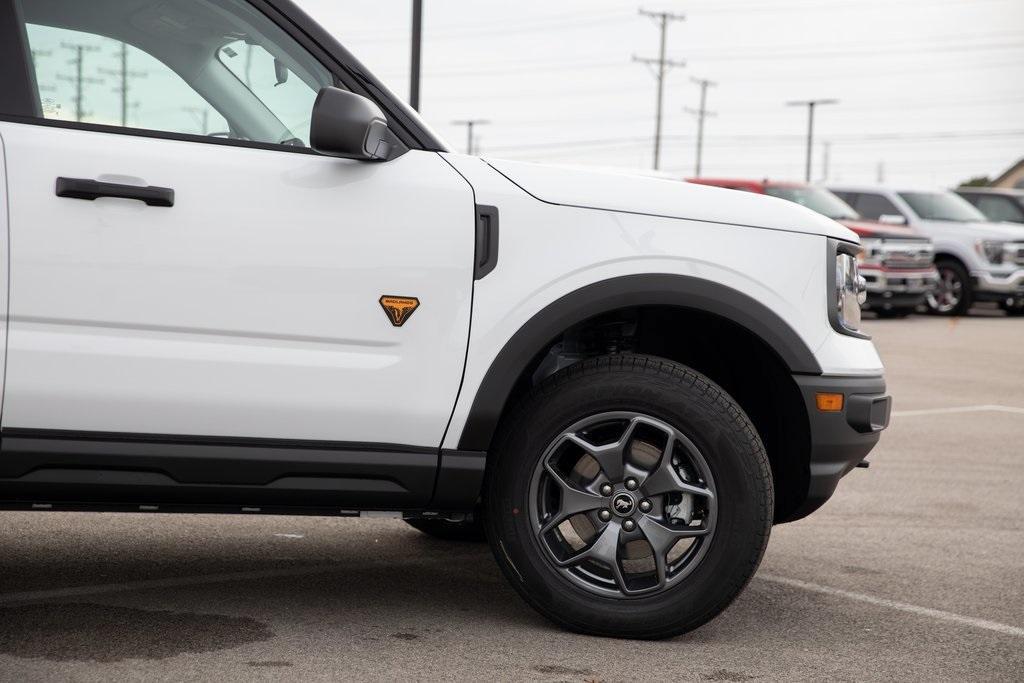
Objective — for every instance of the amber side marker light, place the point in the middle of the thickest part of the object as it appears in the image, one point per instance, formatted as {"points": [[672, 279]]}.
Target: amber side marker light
{"points": [[829, 403]]}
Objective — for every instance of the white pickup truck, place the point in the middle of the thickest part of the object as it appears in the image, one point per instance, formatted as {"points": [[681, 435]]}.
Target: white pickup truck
{"points": [[255, 282], [977, 260]]}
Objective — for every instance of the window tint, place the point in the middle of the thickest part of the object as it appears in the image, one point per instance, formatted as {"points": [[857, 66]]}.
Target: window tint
{"points": [[814, 198], [93, 79], [206, 67], [872, 206], [942, 206], [999, 208]]}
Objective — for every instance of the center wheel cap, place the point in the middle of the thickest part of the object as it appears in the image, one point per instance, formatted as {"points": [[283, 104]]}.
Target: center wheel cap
{"points": [[623, 505]]}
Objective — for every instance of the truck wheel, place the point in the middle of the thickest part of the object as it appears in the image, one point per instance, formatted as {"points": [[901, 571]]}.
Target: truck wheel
{"points": [[1014, 309], [630, 497], [954, 293], [472, 531]]}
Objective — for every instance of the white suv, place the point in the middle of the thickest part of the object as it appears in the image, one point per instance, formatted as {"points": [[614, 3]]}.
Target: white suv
{"points": [[977, 260], [269, 288]]}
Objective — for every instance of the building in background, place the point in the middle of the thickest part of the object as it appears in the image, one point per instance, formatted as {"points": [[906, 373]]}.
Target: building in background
{"points": [[1012, 178]]}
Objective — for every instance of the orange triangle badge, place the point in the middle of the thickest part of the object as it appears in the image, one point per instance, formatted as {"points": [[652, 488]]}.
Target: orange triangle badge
{"points": [[399, 308]]}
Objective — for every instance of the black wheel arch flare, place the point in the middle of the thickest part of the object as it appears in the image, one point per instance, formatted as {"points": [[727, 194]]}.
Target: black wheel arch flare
{"points": [[614, 294]]}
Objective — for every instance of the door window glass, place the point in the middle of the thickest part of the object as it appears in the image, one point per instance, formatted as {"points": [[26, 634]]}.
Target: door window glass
{"points": [[872, 206], [90, 78], [1000, 209], [206, 67]]}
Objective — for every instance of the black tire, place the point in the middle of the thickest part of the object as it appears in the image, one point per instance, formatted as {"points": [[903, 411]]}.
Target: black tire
{"points": [[691, 404], [1012, 311], [466, 532], [952, 274]]}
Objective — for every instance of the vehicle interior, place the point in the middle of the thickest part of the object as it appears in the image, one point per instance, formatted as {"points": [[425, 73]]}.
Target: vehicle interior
{"points": [[255, 78]]}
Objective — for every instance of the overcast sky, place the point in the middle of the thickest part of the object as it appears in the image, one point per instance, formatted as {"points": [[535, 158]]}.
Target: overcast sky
{"points": [[932, 89]]}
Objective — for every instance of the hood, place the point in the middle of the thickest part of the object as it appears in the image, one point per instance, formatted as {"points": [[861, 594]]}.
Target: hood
{"points": [[866, 228], [991, 231], [590, 189]]}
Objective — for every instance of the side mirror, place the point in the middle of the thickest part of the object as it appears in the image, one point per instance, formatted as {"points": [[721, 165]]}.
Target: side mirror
{"points": [[350, 126], [892, 219]]}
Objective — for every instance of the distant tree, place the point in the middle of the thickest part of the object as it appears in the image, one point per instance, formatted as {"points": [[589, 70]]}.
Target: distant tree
{"points": [[977, 181]]}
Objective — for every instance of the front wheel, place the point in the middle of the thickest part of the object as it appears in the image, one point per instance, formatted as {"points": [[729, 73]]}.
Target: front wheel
{"points": [[1014, 309], [953, 295], [630, 497]]}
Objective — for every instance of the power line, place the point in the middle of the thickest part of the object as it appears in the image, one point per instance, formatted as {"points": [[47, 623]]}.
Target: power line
{"points": [[662, 18], [470, 125], [782, 139], [810, 104], [701, 114], [124, 74], [79, 79]]}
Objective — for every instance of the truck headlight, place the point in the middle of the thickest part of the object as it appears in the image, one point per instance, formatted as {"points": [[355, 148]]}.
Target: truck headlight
{"points": [[871, 252], [848, 290], [992, 250]]}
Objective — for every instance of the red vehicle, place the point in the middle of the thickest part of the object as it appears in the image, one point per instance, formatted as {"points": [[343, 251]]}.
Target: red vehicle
{"points": [[897, 262]]}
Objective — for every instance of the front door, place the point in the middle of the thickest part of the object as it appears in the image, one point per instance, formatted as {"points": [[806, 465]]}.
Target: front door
{"points": [[252, 306]]}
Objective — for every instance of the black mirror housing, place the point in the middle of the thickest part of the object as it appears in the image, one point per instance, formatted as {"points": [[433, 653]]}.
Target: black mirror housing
{"points": [[350, 126]]}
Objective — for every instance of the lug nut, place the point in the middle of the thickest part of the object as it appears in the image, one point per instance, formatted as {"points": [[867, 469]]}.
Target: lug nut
{"points": [[631, 484], [605, 515], [606, 489], [629, 525], [645, 506]]}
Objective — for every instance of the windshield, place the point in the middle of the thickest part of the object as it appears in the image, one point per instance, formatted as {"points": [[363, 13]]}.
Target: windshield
{"points": [[942, 206], [814, 198]]}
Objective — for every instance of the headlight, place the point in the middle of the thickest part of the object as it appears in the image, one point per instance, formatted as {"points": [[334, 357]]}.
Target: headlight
{"points": [[871, 252], [848, 290], [992, 250]]}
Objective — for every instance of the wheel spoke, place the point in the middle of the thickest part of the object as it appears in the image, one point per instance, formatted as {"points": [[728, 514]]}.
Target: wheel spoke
{"points": [[574, 500], [663, 537], [608, 457], [604, 548], [666, 479]]}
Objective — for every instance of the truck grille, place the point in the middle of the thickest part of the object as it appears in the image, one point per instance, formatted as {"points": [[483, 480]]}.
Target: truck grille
{"points": [[907, 254]]}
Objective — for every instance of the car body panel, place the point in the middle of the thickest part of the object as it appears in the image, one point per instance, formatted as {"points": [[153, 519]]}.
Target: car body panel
{"points": [[585, 188], [541, 260], [248, 309]]}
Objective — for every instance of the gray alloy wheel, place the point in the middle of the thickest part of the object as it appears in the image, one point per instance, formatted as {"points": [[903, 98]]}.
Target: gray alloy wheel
{"points": [[623, 504]]}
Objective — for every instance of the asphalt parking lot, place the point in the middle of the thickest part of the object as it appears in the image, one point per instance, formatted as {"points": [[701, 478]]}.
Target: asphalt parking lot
{"points": [[914, 571]]}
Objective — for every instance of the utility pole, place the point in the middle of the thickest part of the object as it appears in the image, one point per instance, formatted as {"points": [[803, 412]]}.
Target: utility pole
{"points": [[124, 74], [202, 117], [701, 114], [880, 173], [826, 153], [810, 104], [470, 124], [417, 47], [79, 79], [662, 64]]}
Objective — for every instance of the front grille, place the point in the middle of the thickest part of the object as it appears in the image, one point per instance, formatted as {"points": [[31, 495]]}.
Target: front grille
{"points": [[907, 254]]}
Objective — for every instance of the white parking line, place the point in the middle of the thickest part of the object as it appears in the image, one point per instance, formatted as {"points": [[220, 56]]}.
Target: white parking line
{"points": [[81, 591], [962, 409], [941, 615]]}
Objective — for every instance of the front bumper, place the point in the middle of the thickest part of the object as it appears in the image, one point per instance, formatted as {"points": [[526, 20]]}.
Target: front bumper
{"points": [[840, 440], [1010, 284], [890, 288]]}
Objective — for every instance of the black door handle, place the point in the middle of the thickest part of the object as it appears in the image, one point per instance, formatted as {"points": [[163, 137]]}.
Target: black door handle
{"points": [[83, 188]]}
